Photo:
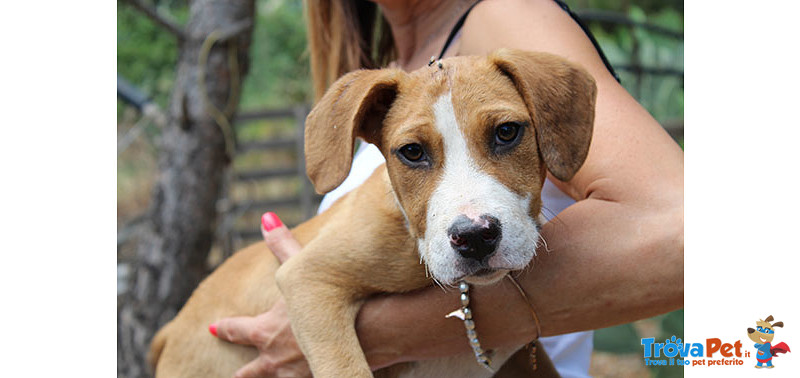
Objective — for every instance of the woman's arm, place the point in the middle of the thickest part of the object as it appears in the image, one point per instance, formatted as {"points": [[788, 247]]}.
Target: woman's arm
{"points": [[613, 257]]}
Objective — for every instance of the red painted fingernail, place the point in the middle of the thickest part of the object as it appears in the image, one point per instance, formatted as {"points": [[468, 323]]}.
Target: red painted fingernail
{"points": [[213, 329], [270, 221]]}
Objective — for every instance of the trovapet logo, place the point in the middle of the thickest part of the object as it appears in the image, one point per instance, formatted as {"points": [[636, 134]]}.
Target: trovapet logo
{"points": [[715, 351], [677, 352]]}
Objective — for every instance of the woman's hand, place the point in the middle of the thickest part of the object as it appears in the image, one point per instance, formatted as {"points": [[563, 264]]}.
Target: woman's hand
{"points": [[271, 333], [278, 352]]}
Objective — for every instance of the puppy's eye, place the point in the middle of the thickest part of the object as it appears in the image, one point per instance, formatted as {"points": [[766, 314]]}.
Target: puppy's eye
{"points": [[412, 152], [506, 136], [506, 133]]}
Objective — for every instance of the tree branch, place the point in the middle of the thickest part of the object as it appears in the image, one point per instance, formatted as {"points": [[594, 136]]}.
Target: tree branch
{"points": [[151, 13]]}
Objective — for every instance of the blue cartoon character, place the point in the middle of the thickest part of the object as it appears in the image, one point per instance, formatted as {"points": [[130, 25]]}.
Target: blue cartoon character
{"points": [[763, 335]]}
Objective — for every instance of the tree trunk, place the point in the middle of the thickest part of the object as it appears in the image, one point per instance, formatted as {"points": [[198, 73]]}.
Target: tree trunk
{"points": [[172, 250]]}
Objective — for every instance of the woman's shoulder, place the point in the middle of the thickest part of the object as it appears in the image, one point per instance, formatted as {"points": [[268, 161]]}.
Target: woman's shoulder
{"points": [[512, 8], [535, 25], [508, 19]]}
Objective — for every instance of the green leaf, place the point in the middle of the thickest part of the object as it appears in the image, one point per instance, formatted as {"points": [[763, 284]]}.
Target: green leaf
{"points": [[621, 339]]}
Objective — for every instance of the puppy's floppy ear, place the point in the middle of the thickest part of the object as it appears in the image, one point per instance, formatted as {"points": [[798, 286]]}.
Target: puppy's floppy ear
{"points": [[354, 106], [560, 97], [778, 324]]}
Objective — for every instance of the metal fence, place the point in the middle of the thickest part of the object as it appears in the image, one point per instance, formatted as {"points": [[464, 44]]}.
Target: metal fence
{"points": [[233, 233]]}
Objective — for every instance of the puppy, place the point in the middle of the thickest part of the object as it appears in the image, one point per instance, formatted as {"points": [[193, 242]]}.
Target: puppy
{"points": [[467, 144]]}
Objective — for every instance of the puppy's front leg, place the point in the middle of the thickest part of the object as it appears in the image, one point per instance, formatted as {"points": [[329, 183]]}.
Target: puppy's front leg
{"points": [[323, 311]]}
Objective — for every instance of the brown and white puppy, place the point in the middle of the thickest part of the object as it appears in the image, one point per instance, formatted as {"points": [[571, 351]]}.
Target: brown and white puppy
{"points": [[467, 144]]}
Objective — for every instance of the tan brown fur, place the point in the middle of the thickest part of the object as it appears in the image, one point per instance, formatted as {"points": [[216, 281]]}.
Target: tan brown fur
{"points": [[413, 121], [362, 245], [243, 285], [561, 101]]}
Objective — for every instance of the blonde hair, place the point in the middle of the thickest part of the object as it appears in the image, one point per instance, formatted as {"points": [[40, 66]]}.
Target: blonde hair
{"points": [[345, 35]]}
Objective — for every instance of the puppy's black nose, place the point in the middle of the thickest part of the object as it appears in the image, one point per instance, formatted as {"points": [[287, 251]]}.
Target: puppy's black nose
{"points": [[750, 330], [475, 239]]}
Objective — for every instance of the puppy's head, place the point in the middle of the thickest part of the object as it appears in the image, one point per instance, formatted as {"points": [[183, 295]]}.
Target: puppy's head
{"points": [[467, 147], [764, 331]]}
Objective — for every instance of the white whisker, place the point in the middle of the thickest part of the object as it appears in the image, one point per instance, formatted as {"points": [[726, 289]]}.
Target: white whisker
{"points": [[546, 248], [438, 283]]}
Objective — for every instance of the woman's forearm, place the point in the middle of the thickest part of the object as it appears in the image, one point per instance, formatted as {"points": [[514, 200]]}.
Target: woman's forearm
{"points": [[616, 265], [605, 263]]}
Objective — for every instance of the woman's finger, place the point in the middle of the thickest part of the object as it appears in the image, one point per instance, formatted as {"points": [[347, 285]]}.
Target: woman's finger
{"points": [[279, 239], [237, 330], [260, 367]]}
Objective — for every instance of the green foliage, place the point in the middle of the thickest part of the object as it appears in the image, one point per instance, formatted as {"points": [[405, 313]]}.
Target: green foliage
{"points": [[146, 54], [619, 340], [278, 76], [279, 71], [671, 325], [626, 340], [662, 95]]}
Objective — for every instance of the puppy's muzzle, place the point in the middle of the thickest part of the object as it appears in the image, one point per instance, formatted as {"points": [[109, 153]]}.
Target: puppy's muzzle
{"points": [[475, 239]]}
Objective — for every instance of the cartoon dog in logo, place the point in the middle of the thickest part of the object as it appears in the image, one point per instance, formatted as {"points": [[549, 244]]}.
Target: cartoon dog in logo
{"points": [[763, 335]]}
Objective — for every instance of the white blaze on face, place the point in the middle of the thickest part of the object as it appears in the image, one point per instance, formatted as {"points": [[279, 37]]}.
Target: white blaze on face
{"points": [[465, 189]]}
